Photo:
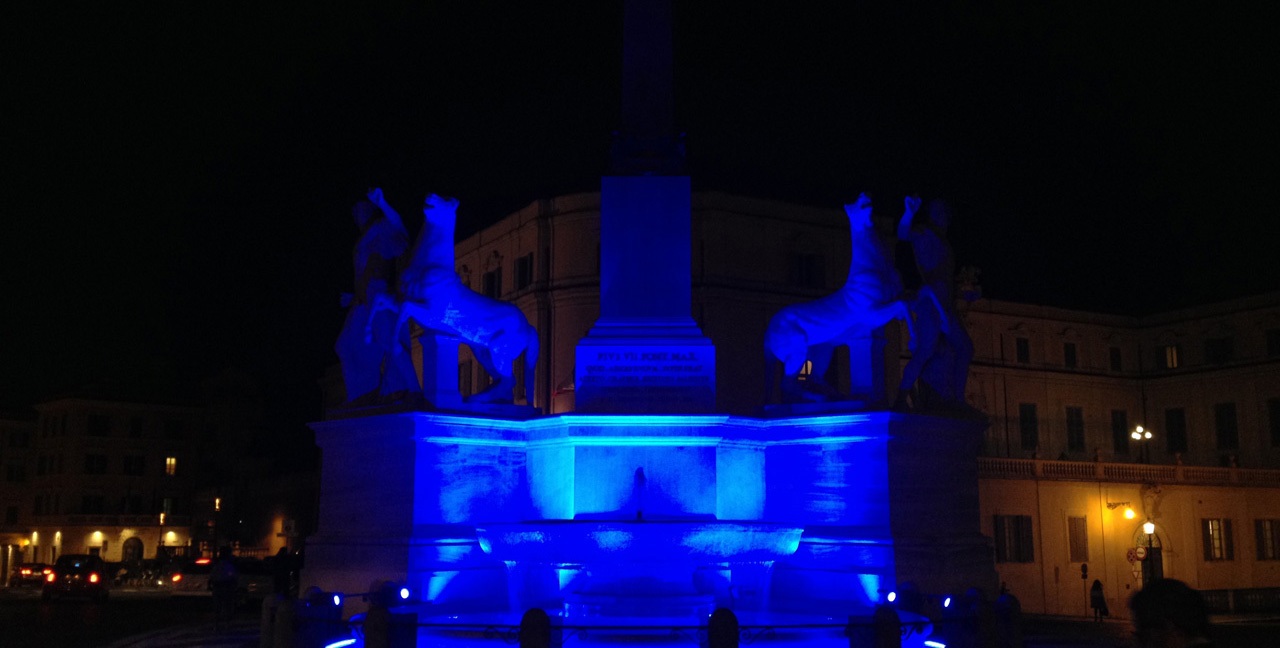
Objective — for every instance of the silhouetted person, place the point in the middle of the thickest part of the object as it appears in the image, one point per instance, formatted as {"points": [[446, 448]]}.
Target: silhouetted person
{"points": [[1098, 601], [223, 579], [1169, 614]]}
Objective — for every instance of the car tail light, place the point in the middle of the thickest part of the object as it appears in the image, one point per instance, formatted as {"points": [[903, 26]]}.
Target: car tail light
{"points": [[26, 572], [93, 577], [202, 561], [50, 577], [177, 577]]}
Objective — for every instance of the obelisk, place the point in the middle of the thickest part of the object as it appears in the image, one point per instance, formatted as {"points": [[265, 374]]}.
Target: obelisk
{"points": [[645, 354]]}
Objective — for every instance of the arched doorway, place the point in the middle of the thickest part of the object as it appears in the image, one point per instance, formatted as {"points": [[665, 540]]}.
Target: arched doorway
{"points": [[1153, 562], [131, 550]]}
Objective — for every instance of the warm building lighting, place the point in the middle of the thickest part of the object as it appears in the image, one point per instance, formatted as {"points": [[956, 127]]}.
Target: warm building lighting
{"points": [[97, 536], [217, 503], [170, 465], [1128, 514], [35, 537], [170, 536], [162, 519], [1148, 527]]}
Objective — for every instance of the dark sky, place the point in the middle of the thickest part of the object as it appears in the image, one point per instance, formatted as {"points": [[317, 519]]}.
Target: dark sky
{"points": [[178, 180]]}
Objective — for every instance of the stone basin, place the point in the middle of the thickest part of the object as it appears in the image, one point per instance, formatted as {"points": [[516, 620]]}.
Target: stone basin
{"points": [[639, 541]]}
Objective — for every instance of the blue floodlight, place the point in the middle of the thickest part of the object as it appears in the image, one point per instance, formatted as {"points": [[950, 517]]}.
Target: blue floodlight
{"points": [[893, 596], [934, 644], [404, 593], [946, 602], [340, 644], [337, 600]]}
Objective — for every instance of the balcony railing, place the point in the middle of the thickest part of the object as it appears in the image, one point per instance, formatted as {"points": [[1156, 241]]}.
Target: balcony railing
{"points": [[999, 468]]}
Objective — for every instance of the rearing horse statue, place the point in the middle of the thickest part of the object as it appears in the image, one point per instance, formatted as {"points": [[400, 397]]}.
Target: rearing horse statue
{"points": [[871, 296]]}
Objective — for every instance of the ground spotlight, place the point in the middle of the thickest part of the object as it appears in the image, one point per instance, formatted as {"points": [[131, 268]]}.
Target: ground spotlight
{"points": [[337, 600], [893, 596], [946, 602], [404, 593]]}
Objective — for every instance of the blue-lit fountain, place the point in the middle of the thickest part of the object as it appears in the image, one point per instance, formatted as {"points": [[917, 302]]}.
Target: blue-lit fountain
{"points": [[644, 510]]}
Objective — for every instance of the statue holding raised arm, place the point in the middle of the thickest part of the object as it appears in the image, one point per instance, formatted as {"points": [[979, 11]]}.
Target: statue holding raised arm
{"points": [[367, 345], [941, 347], [870, 297]]}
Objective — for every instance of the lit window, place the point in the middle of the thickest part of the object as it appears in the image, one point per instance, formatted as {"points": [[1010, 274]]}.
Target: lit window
{"points": [[1218, 543], [1171, 356], [217, 503], [806, 370], [170, 465]]}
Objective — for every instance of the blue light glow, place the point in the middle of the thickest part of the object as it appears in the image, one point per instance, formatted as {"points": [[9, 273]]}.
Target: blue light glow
{"points": [[337, 599], [404, 593], [946, 602], [340, 644], [893, 596], [934, 644]]}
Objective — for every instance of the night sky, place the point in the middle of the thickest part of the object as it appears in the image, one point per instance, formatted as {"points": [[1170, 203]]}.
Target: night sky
{"points": [[178, 180]]}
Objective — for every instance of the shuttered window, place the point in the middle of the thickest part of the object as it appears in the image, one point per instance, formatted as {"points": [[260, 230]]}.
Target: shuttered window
{"points": [[1078, 536], [1217, 539], [1267, 537], [1014, 542]]}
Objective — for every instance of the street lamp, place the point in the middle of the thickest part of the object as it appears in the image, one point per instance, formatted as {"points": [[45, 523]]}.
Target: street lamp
{"points": [[1149, 528], [1142, 436]]}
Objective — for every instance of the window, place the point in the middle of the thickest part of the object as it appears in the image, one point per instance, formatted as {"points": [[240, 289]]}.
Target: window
{"points": [[11, 515], [1273, 417], [1175, 429], [1273, 343], [135, 465], [808, 270], [1120, 431], [1069, 354], [1218, 543], [1219, 350], [174, 429], [37, 507], [1116, 364], [1075, 428], [1029, 425], [42, 465], [492, 283], [166, 506], [1267, 535], [170, 466], [95, 464], [1013, 539], [1022, 348], [1224, 423], [99, 425], [524, 271], [1171, 356], [464, 378], [135, 427], [1078, 538], [92, 504]]}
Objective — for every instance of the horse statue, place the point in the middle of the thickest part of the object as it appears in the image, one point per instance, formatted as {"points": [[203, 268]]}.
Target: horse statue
{"points": [[871, 296], [431, 294]]}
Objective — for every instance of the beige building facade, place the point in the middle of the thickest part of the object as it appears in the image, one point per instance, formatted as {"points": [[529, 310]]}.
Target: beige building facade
{"points": [[1064, 390]]}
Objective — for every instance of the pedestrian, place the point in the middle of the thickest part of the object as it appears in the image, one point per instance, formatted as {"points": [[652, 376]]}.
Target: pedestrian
{"points": [[1098, 601], [1169, 614], [223, 579]]}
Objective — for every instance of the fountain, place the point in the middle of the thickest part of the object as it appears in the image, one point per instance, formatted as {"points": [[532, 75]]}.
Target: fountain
{"points": [[636, 516]]}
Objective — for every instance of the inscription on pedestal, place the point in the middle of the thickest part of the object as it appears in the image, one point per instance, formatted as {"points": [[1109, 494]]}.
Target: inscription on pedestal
{"points": [[625, 366]]}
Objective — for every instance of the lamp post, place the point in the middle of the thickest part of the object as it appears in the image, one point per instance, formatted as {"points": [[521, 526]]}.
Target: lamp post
{"points": [[1149, 528], [1142, 436]]}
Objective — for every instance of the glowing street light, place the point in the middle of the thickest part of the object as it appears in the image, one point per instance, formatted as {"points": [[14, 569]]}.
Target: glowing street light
{"points": [[1149, 528], [1142, 435]]}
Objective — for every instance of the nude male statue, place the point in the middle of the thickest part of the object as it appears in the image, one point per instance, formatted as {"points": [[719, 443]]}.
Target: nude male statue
{"points": [[367, 344], [936, 320]]}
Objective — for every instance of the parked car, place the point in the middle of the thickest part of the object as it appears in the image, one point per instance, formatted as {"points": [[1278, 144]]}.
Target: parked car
{"points": [[78, 575], [28, 574], [253, 579]]}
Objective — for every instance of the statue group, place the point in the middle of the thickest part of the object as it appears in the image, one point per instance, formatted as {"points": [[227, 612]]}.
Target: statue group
{"points": [[872, 295], [395, 284]]}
